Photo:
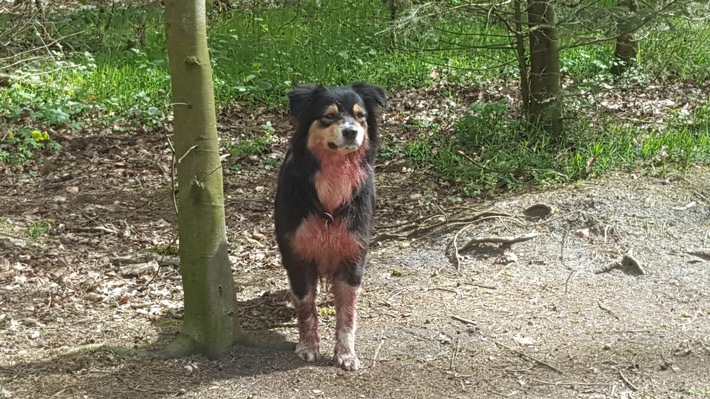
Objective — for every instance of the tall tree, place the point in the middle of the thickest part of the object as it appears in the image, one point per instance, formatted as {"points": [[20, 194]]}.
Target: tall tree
{"points": [[626, 49], [545, 105], [210, 323]]}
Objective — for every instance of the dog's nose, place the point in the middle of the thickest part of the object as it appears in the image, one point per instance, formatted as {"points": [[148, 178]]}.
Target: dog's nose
{"points": [[349, 133]]}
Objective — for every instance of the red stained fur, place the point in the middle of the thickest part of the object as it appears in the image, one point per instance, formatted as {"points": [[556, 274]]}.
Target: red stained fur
{"points": [[345, 298], [307, 319], [339, 175], [326, 244]]}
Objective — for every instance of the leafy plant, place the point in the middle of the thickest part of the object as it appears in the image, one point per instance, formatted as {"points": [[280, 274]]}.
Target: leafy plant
{"points": [[245, 147], [16, 147], [491, 151], [37, 230]]}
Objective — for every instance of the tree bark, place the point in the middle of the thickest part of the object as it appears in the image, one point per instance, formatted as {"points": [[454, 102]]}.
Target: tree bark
{"points": [[545, 109], [210, 323], [626, 49], [521, 55]]}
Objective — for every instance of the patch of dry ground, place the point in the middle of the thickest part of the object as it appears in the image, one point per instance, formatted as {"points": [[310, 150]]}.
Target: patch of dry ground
{"points": [[529, 320]]}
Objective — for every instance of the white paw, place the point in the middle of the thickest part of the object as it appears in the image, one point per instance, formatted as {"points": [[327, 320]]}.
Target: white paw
{"points": [[347, 361], [309, 352]]}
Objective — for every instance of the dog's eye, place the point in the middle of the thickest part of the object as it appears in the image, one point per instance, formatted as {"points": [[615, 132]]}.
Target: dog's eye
{"points": [[360, 115], [330, 115]]}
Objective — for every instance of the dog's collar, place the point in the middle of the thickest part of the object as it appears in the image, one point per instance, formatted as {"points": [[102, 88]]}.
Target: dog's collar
{"points": [[336, 214]]}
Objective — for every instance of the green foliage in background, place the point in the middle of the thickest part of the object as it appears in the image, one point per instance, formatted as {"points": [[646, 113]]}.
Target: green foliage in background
{"points": [[112, 70]]}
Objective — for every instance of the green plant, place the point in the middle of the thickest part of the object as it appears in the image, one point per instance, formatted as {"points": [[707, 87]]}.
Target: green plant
{"points": [[698, 392], [16, 147], [244, 147], [37, 231], [166, 249]]}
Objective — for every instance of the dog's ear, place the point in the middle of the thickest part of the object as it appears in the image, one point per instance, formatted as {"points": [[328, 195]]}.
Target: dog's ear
{"points": [[373, 95], [300, 97]]}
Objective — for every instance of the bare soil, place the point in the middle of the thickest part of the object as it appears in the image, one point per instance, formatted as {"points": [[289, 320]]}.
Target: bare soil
{"points": [[540, 318]]}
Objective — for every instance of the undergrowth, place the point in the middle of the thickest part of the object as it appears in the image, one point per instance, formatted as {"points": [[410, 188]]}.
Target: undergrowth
{"points": [[112, 69], [490, 151]]}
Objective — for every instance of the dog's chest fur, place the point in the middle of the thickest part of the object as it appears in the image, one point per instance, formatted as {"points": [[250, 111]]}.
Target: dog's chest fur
{"points": [[329, 243], [338, 179]]}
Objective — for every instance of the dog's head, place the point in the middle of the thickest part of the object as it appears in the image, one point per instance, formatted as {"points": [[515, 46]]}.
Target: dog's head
{"points": [[337, 119]]}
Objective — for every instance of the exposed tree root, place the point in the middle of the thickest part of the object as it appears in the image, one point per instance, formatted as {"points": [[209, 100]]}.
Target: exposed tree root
{"points": [[181, 346]]}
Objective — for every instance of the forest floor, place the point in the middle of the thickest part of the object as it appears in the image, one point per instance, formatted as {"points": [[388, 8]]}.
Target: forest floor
{"points": [[440, 317]]}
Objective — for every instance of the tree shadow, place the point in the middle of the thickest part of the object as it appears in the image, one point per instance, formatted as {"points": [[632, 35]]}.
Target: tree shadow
{"points": [[120, 372]]}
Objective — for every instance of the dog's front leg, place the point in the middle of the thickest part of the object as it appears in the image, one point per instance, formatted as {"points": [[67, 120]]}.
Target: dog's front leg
{"points": [[308, 347], [345, 298]]}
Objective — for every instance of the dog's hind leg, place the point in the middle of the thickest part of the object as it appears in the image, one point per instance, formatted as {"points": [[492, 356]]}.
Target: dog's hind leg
{"points": [[304, 287], [345, 297]]}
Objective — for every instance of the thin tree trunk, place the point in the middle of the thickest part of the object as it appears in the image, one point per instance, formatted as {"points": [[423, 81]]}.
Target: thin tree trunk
{"points": [[626, 50], [545, 108], [521, 55], [210, 322]]}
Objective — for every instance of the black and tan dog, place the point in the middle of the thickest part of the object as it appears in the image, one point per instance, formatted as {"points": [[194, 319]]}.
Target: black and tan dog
{"points": [[324, 206]]}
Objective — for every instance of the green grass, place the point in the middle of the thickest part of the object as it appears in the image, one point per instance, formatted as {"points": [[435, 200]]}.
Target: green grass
{"points": [[698, 392], [113, 70], [37, 231], [492, 152], [118, 66]]}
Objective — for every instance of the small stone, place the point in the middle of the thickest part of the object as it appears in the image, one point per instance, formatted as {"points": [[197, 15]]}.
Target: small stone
{"points": [[30, 322], [582, 233]]}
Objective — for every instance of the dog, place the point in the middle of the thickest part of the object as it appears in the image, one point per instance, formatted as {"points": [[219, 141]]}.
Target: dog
{"points": [[324, 206]]}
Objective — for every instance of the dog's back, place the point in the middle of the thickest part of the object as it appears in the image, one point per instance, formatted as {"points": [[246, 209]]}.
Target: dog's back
{"points": [[325, 203]]}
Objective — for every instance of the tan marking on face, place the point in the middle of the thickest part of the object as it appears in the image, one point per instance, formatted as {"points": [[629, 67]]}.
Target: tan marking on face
{"points": [[331, 110], [358, 111], [319, 135]]}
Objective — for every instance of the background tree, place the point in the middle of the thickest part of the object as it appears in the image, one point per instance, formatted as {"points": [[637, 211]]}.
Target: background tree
{"points": [[210, 322], [544, 107], [626, 48]]}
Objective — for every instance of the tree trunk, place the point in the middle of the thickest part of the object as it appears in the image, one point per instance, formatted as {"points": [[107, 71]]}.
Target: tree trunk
{"points": [[521, 55], [545, 109], [626, 50], [210, 323]]}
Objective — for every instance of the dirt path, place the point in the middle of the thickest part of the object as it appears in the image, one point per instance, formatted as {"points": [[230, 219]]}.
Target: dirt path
{"points": [[529, 320]]}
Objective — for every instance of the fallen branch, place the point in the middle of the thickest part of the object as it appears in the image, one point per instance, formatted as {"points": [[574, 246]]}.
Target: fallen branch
{"points": [[377, 353], [499, 240], [525, 355], [570, 383], [94, 229], [626, 380], [462, 320]]}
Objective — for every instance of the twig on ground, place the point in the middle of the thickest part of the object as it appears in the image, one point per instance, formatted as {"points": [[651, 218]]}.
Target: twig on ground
{"points": [[499, 240], [570, 383], [377, 353], [626, 380], [94, 229], [462, 320], [438, 226], [442, 289], [457, 258], [479, 285], [454, 352], [525, 355], [603, 307]]}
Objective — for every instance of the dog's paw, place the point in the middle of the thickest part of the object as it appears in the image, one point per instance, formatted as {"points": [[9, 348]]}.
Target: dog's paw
{"points": [[309, 352], [347, 361]]}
